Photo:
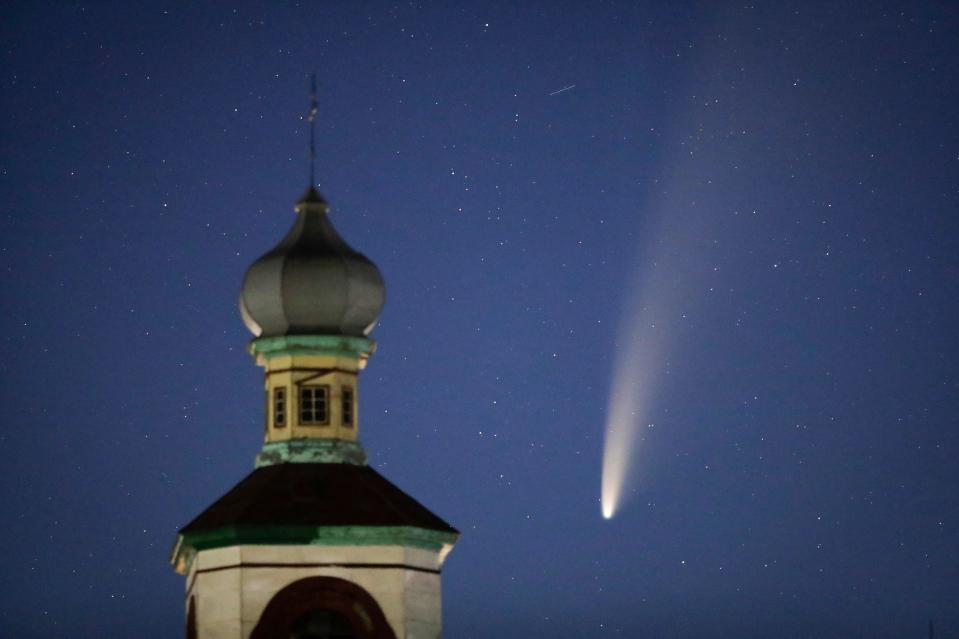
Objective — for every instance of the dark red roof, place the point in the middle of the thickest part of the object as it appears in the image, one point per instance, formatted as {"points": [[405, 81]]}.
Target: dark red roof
{"points": [[290, 495]]}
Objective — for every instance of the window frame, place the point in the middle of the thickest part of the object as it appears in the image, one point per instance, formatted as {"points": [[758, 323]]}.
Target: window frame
{"points": [[325, 388], [281, 407], [347, 407]]}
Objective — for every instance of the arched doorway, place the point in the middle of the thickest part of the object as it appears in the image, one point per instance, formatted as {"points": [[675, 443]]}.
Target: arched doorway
{"points": [[322, 608]]}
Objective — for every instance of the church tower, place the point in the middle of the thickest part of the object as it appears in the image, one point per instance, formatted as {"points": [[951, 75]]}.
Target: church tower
{"points": [[314, 542]]}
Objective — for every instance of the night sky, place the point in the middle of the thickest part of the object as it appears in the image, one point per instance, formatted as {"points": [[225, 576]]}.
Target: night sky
{"points": [[772, 185]]}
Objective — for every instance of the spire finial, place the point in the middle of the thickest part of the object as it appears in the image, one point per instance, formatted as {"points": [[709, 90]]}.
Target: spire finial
{"points": [[311, 118]]}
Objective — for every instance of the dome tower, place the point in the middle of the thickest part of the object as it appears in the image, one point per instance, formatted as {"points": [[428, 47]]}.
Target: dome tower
{"points": [[310, 303], [313, 543]]}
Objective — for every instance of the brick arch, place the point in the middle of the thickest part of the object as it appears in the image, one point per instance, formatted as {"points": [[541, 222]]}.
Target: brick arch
{"points": [[322, 593]]}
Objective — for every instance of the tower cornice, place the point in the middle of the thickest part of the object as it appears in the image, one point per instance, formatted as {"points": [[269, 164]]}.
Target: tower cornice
{"points": [[267, 348], [311, 451]]}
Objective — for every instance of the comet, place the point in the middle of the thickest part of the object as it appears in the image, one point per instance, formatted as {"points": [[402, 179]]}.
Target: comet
{"points": [[656, 298], [686, 238], [637, 364], [669, 284]]}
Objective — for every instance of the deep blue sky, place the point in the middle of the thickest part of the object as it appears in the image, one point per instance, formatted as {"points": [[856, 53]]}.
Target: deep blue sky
{"points": [[787, 171]]}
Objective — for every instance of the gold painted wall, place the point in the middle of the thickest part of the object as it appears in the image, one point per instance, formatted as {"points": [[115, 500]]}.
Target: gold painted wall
{"points": [[294, 371]]}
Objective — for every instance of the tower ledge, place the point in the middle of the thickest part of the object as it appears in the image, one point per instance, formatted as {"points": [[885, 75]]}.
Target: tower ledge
{"points": [[267, 348], [311, 451]]}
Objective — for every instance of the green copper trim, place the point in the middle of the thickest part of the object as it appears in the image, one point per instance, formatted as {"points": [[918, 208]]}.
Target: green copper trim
{"points": [[190, 543], [334, 345], [311, 451], [320, 536]]}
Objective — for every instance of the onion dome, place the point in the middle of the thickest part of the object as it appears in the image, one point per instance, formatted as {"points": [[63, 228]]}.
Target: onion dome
{"points": [[312, 283]]}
